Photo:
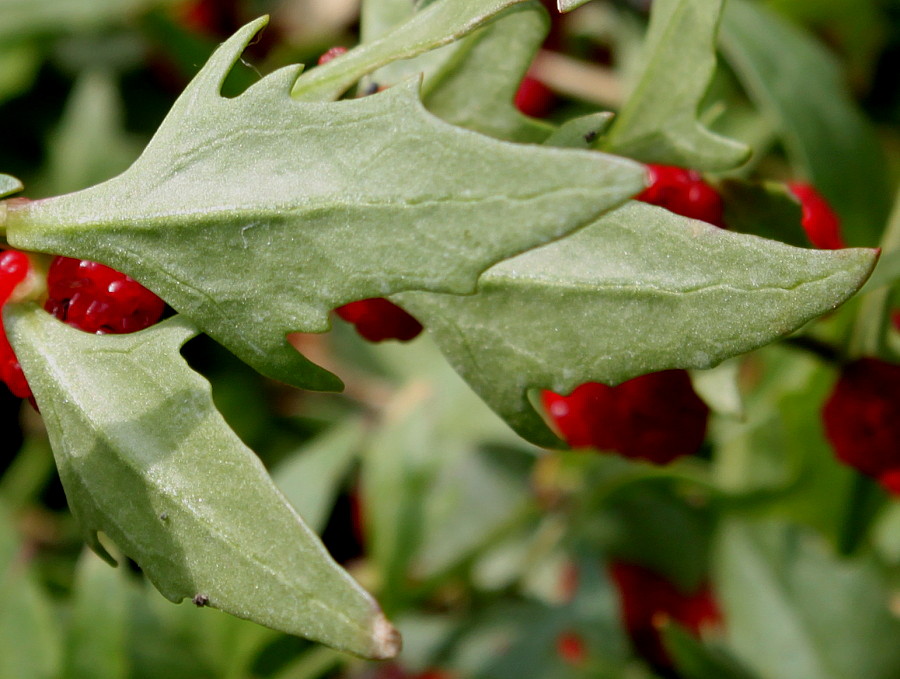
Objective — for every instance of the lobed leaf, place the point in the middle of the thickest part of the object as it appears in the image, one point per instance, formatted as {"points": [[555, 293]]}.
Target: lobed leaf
{"points": [[659, 122], [439, 23], [640, 290], [796, 82], [257, 215], [145, 457]]}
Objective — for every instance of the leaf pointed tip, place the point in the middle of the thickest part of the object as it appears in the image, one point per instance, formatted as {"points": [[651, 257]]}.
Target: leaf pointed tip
{"points": [[386, 640]]}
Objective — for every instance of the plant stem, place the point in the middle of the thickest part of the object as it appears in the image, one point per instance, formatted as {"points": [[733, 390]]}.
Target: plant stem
{"points": [[864, 502]]}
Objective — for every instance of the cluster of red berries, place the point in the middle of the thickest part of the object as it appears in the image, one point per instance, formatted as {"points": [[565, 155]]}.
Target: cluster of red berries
{"points": [[86, 295], [647, 601], [656, 417], [683, 192]]}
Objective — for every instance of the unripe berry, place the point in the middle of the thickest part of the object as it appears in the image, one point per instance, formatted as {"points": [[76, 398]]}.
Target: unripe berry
{"points": [[656, 417], [14, 268], [862, 419], [648, 600], [332, 53], [819, 221], [95, 298], [683, 192], [378, 319]]}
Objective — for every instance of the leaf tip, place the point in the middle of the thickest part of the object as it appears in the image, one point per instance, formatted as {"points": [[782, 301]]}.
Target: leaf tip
{"points": [[219, 65], [386, 640]]}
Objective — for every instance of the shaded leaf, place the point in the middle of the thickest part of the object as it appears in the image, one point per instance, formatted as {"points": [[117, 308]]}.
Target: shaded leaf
{"points": [[146, 458], [766, 209], [796, 82], [440, 23], [640, 290], [257, 215], [787, 601], [475, 89], [581, 132], [659, 122], [696, 660]]}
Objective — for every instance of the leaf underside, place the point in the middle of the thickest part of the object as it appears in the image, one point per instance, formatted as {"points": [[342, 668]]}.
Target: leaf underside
{"points": [[146, 458], [659, 121], [639, 290], [255, 216]]}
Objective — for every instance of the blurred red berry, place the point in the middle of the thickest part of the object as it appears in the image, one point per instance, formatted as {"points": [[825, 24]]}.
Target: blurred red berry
{"points": [[683, 192], [95, 298], [820, 222], [14, 268], [378, 319], [571, 648], [862, 418], [534, 98], [656, 417], [332, 53], [648, 600]]}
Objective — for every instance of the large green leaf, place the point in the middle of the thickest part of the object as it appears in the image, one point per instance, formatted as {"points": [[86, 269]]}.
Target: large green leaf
{"points": [[797, 83], [794, 611], [146, 458], [440, 23], [257, 215], [659, 121], [475, 89], [640, 290]]}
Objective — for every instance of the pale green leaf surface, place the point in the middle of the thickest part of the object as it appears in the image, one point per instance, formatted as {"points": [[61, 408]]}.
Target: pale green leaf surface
{"points": [[311, 477], [146, 458], [438, 24], [640, 290], [475, 89], [257, 215], [659, 121], [797, 83], [23, 18], [569, 5], [29, 637], [787, 600], [9, 184], [581, 132]]}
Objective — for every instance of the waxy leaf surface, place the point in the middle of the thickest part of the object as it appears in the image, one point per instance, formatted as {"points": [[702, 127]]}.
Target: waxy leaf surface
{"points": [[640, 290], [659, 121], [255, 216], [439, 23], [146, 458]]}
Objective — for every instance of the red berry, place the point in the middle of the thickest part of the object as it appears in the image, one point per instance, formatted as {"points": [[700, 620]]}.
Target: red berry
{"points": [[683, 192], [656, 417], [95, 298], [332, 53], [819, 221], [14, 267], [648, 600], [862, 418], [378, 319], [571, 648], [534, 98]]}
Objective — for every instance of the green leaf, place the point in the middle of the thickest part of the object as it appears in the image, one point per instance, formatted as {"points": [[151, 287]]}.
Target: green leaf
{"points": [[9, 185], [18, 67], [794, 611], [796, 82], [96, 647], [440, 23], [640, 290], [659, 121], [766, 209], [581, 132], [311, 477], [475, 89], [569, 5], [29, 638], [695, 660], [146, 458], [257, 215], [24, 18]]}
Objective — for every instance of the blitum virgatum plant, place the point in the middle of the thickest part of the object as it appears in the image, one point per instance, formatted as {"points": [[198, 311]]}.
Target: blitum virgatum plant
{"points": [[513, 241]]}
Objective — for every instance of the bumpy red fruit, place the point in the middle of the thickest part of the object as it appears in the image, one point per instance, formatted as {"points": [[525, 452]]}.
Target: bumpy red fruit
{"points": [[862, 419], [656, 417], [95, 298], [683, 192], [14, 267], [534, 98], [647, 600], [379, 319], [819, 221]]}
